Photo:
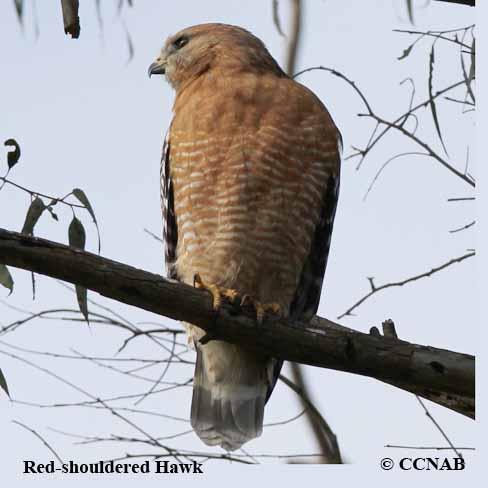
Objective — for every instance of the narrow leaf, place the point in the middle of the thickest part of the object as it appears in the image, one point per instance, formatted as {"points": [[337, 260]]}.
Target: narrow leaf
{"points": [[406, 52], [6, 279], [472, 69], [76, 234], [432, 100], [130, 44], [276, 18], [19, 8], [35, 211], [81, 196], [99, 14], [3, 383], [14, 155], [52, 213], [77, 238], [467, 77], [410, 11]]}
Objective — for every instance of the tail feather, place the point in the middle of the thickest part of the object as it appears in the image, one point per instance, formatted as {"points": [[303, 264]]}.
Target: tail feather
{"points": [[229, 393]]}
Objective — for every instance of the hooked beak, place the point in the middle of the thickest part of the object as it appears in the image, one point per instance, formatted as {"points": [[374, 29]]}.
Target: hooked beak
{"points": [[157, 68]]}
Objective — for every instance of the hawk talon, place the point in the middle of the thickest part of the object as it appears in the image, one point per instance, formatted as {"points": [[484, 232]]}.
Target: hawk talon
{"points": [[216, 291], [261, 308]]}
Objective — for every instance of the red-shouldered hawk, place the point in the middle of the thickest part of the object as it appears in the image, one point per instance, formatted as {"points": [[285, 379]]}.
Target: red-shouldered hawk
{"points": [[249, 181]]}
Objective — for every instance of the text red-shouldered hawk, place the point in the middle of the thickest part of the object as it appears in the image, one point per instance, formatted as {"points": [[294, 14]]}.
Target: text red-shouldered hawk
{"points": [[249, 182]]}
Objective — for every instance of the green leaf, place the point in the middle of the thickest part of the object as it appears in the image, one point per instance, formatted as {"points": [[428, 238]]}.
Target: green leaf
{"points": [[35, 211], [6, 278], [3, 383], [52, 213], [12, 156], [81, 196], [77, 238], [433, 108], [76, 234]]}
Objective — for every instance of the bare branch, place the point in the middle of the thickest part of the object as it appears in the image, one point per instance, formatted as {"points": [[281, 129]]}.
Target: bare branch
{"points": [[438, 427], [432, 448], [377, 289], [442, 376], [435, 34], [397, 124], [39, 437], [325, 436], [461, 199], [464, 227]]}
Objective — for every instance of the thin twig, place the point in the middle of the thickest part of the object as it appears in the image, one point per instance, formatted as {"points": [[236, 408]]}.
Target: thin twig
{"points": [[325, 436], [433, 34], [39, 437], [439, 428], [398, 123], [464, 227], [426, 274], [431, 448]]}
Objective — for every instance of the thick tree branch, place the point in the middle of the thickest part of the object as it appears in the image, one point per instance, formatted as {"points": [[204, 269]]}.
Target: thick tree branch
{"points": [[442, 376]]}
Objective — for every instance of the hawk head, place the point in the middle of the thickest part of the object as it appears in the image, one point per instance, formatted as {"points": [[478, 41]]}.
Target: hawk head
{"points": [[206, 47]]}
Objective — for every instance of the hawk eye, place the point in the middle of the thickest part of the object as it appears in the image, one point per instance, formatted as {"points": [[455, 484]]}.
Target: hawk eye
{"points": [[180, 42]]}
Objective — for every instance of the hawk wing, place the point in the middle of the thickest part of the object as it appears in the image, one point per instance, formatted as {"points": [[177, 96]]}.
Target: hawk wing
{"points": [[307, 296], [170, 229]]}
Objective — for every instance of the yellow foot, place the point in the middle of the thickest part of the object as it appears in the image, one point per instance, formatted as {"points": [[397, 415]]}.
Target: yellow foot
{"points": [[261, 308], [216, 291]]}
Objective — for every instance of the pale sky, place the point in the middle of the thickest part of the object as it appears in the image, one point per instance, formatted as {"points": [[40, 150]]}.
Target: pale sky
{"points": [[87, 118]]}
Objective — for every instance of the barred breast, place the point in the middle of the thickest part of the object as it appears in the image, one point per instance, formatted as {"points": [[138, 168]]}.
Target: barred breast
{"points": [[249, 180]]}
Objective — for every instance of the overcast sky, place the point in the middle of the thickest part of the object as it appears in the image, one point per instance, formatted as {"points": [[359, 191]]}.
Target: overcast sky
{"points": [[86, 117]]}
